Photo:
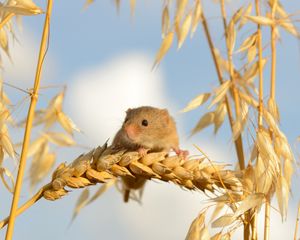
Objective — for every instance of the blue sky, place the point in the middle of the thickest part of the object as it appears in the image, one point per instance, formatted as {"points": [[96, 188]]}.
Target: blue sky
{"points": [[90, 51]]}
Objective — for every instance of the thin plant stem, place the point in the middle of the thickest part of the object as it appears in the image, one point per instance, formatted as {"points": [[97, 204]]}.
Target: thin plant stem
{"points": [[223, 11], [29, 121], [15, 87], [273, 55], [273, 63], [260, 103], [260, 71], [297, 222], [6, 19], [247, 227], [230, 65], [234, 93], [272, 97], [253, 225], [267, 219], [238, 142], [211, 47], [27, 205]]}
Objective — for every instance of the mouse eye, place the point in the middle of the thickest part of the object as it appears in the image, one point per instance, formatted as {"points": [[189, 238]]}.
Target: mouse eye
{"points": [[145, 123]]}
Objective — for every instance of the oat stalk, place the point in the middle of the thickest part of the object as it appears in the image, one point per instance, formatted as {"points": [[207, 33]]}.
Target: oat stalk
{"points": [[234, 93], [267, 218], [297, 222], [230, 65], [238, 142], [254, 225], [29, 121], [273, 63], [272, 98], [260, 102], [260, 67]]}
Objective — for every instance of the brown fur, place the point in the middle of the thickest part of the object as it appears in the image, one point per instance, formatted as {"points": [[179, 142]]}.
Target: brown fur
{"points": [[159, 135]]}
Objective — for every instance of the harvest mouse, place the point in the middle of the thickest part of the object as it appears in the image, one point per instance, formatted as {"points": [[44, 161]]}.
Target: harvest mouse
{"points": [[147, 129]]}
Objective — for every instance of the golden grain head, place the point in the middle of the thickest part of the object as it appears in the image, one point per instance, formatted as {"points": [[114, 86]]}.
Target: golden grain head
{"points": [[135, 170], [53, 195], [152, 158], [161, 169], [120, 171], [96, 176], [129, 157], [107, 160], [59, 183]]}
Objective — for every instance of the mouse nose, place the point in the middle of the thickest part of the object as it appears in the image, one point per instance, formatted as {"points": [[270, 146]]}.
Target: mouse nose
{"points": [[131, 131]]}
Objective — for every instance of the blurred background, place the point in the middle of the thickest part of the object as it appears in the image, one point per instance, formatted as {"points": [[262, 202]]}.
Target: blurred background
{"points": [[104, 57]]}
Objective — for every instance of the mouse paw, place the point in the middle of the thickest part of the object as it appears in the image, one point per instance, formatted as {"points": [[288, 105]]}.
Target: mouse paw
{"points": [[181, 153], [143, 151]]}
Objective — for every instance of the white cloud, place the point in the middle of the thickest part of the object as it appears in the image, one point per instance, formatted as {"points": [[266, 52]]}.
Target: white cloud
{"points": [[99, 96], [166, 212]]}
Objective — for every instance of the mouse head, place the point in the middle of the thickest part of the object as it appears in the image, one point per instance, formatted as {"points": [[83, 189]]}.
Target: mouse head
{"points": [[145, 125]]}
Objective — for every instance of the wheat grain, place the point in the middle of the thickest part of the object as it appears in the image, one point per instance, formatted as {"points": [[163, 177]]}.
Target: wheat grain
{"points": [[192, 174]]}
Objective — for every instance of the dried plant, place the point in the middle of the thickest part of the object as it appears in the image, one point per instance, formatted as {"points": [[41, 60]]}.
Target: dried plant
{"points": [[43, 160], [237, 195], [105, 165]]}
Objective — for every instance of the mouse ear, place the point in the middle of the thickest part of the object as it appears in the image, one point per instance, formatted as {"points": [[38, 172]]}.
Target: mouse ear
{"points": [[128, 110], [165, 111], [165, 115]]}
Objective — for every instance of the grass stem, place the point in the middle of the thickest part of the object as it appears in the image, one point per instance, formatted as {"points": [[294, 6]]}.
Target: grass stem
{"points": [[29, 121], [260, 102], [254, 225], [234, 92], [273, 58], [297, 222], [267, 219], [238, 142], [260, 66]]}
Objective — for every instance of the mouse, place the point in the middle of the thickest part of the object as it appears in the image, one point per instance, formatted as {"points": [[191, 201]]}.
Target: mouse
{"points": [[147, 129]]}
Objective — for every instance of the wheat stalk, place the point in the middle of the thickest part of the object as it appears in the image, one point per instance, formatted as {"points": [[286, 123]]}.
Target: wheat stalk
{"points": [[30, 116], [103, 164]]}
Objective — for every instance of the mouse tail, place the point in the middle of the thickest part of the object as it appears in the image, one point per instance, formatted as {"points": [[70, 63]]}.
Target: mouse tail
{"points": [[126, 195]]}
